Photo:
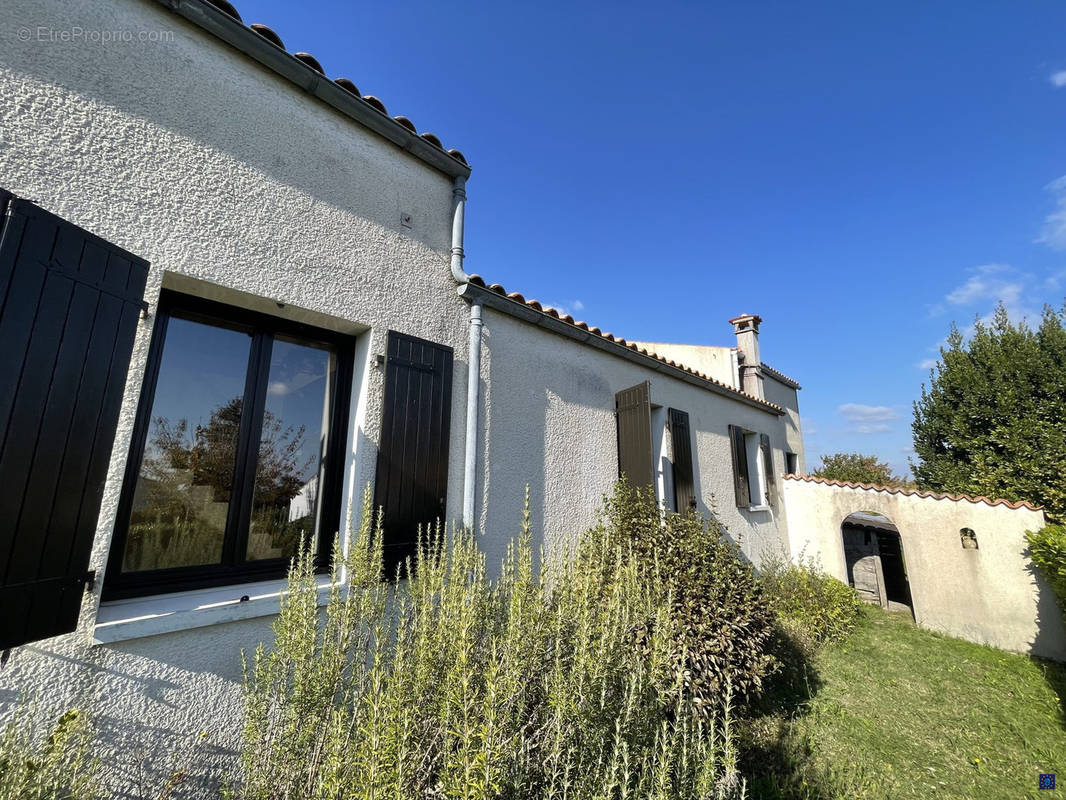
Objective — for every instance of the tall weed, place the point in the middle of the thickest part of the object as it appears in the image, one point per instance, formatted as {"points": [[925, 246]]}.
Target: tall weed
{"points": [[547, 682], [57, 766]]}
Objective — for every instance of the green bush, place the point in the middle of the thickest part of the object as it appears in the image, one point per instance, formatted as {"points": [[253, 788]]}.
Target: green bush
{"points": [[1047, 548], [812, 607], [56, 766], [722, 622], [544, 683]]}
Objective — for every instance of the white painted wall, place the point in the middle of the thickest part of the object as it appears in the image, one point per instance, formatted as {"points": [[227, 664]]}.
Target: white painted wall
{"points": [[788, 398], [991, 595], [237, 186], [549, 421], [718, 362]]}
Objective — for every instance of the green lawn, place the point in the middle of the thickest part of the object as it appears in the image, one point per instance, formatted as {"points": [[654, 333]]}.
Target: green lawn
{"points": [[899, 712]]}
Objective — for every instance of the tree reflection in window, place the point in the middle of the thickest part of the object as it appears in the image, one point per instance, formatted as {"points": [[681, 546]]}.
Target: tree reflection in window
{"points": [[285, 501], [183, 492], [185, 489]]}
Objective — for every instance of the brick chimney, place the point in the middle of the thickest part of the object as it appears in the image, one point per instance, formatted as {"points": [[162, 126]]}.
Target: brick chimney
{"points": [[746, 327]]}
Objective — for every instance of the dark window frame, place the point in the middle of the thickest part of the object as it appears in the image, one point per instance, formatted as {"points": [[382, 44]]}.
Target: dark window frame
{"points": [[232, 570]]}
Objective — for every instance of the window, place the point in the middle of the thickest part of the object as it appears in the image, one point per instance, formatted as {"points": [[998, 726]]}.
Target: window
{"points": [[655, 448], [753, 468], [238, 450], [791, 464], [662, 449]]}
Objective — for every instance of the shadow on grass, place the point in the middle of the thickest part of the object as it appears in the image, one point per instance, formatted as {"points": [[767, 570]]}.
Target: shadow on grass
{"points": [[776, 761], [1055, 675]]}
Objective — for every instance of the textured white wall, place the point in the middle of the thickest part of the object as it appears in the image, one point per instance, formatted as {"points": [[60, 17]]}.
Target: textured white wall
{"points": [[237, 186], [991, 595], [708, 359], [549, 421], [788, 398], [221, 175]]}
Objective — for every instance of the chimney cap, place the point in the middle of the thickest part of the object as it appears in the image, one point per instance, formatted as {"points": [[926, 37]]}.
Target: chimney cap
{"points": [[755, 319]]}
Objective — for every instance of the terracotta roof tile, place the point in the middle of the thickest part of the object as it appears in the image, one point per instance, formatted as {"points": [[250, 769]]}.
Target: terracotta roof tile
{"points": [[534, 305], [873, 487], [226, 8], [310, 61], [270, 36], [781, 376], [376, 104], [348, 86], [267, 33]]}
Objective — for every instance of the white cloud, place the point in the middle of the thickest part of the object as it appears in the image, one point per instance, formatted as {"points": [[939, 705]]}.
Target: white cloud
{"points": [[1055, 280], [1054, 231], [863, 414], [877, 427], [278, 388], [926, 364], [983, 284], [868, 419], [992, 284], [1058, 79], [572, 307]]}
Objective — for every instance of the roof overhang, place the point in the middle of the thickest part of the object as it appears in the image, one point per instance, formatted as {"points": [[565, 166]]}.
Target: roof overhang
{"points": [[287, 66], [472, 292]]}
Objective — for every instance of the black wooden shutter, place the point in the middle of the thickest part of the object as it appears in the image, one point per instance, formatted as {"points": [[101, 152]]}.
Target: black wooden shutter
{"points": [[633, 412], [740, 466], [684, 485], [768, 466], [412, 471], [69, 304]]}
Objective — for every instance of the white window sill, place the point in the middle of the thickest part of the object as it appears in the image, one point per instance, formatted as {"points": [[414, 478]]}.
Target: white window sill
{"points": [[120, 620], [759, 508]]}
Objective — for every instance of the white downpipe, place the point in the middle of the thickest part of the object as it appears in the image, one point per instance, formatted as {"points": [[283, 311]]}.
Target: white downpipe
{"points": [[458, 221], [473, 382], [473, 391]]}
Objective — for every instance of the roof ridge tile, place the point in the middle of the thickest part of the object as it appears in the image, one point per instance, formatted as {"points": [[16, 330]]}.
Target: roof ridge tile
{"points": [[779, 374]]}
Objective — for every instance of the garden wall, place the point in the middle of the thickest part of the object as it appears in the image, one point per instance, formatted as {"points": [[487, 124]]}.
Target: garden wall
{"points": [[990, 595]]}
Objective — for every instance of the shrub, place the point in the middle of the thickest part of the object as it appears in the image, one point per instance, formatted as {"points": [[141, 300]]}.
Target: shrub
{"points": [[544, 683], [1047, 548], [54, 767], [722, 622], [812, 607]]}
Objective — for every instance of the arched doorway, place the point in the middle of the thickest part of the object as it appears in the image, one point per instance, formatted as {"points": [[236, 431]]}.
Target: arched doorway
{"points": [[873, 556]]}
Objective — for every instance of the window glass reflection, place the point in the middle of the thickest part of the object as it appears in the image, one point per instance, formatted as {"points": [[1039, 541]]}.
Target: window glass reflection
{"points": [[184, 487], [291, 450]]}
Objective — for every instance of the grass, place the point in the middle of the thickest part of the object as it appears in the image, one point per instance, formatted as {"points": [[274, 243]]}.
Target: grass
{"points": [[899, 712]]}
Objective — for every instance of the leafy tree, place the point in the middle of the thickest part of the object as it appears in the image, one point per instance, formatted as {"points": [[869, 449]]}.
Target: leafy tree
{"points": [[993, 420], [857, 468]]}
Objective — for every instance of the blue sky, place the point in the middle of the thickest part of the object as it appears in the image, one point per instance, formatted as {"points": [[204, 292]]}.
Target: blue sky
{"points": [[858, 174]]}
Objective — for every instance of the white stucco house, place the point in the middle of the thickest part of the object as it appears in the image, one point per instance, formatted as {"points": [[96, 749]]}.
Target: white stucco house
{"points": [[232, 295]]}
